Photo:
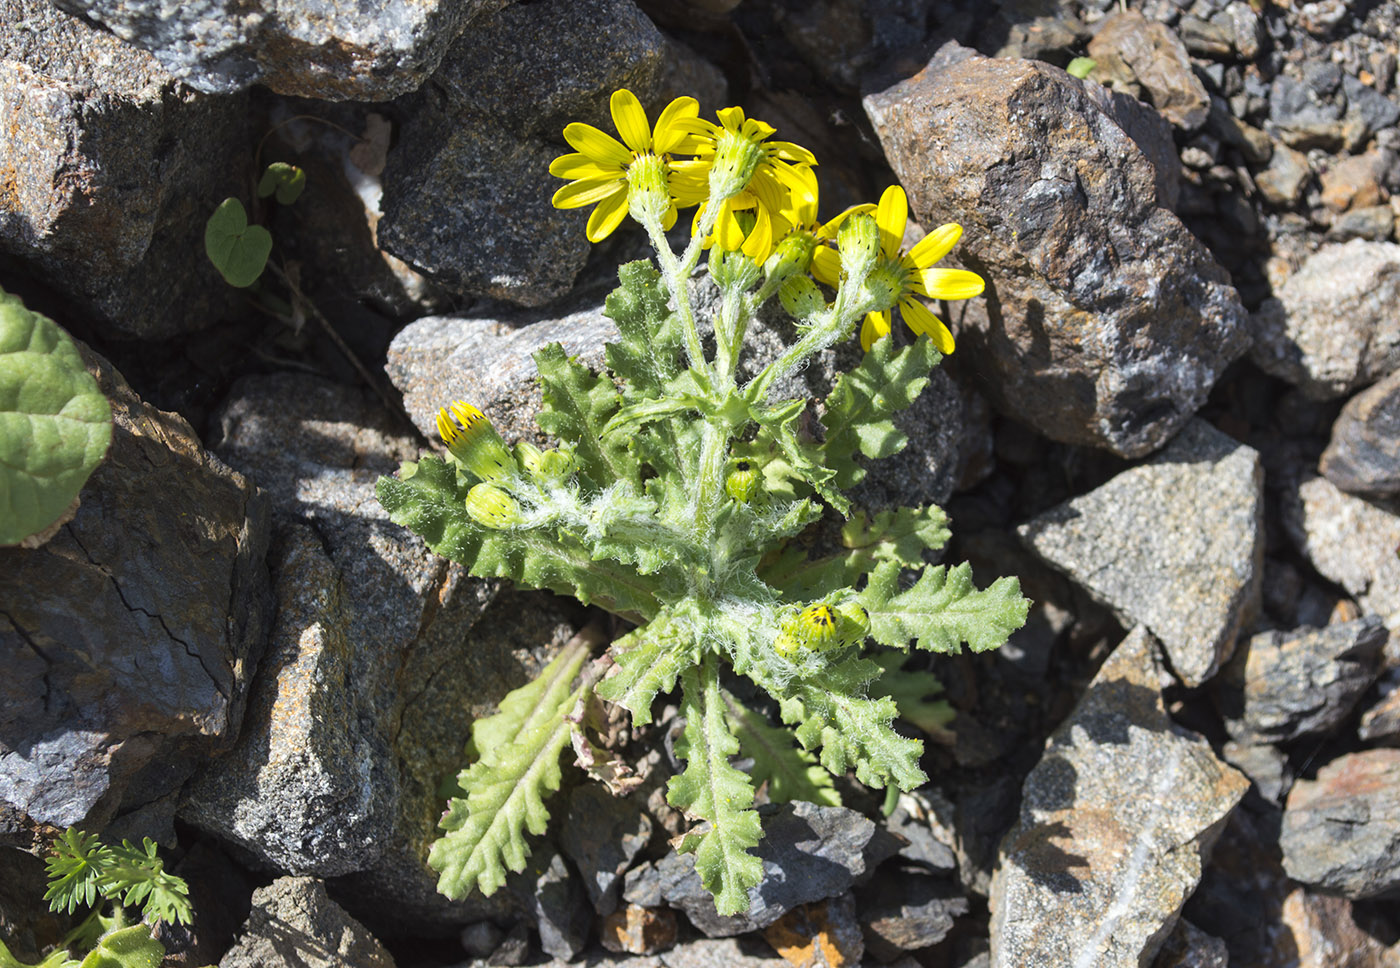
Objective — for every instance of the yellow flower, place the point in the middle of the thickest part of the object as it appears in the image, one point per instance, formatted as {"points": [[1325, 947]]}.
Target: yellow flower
{"points": [[805, 234], [899, 278], [603, 168]]}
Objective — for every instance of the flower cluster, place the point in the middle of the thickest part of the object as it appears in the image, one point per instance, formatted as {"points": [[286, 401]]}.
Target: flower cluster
{"points": [[757, 198]]}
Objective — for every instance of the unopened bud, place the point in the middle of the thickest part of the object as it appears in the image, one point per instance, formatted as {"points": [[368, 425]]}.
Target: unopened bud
{"points": [[852, 623], [474, 442], [801, 297], [859, 242], [733, 270], [544, 465], [742, 482], [792, 256], [491, 507]]}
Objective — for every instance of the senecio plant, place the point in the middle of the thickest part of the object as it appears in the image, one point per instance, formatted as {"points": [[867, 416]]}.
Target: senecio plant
{"points": [[676, 490]]}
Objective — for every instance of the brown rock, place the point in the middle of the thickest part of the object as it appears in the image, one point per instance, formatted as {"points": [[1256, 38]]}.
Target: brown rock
{"points": [[1327, 936], [1282, 182], [1354, 182], [1341, 832], [638, 930], [1134, 52], [820, 935]]}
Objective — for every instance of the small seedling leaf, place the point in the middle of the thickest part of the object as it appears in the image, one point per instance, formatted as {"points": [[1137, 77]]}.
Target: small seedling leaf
{"points": [[238, 250], [285, 181]]}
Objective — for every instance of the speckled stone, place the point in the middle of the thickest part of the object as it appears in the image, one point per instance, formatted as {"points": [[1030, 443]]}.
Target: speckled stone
{"points": [[1117, 821], [1105, 322], [328, 49], [1341, 832], [108, 170], [1333, 329], [1149, 59], [1363, 456], [1176, 544], [1350, 541], [128, 641], [295, 924], [1323, 933], [1190, 947]]}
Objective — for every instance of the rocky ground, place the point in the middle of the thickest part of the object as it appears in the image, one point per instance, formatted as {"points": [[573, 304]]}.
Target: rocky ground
{"points": [[1175, 415]]}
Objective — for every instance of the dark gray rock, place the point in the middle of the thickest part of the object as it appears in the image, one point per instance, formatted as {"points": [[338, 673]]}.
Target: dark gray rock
{"points": [[295, 924], [1150, 131], [1380, 724], [1190, 947], [1363, 456], [602, 834], [809, 853], [109, 169], [1175, 544], [319, 48], [905, 910], [1373, 107], [1112, 351], [925, 847], [129, 640], [1341, 832], [1117, 821], [553, 898], [1332, 328], [1266, 766], [1282, 685], [1148, 60]]}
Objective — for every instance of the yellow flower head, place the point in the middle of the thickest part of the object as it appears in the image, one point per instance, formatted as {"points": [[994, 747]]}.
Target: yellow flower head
{"points": [[805, 235], [900, 277], [474, 442], [602, 168]]}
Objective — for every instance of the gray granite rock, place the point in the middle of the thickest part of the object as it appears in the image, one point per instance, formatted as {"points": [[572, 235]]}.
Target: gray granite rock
{"points": [[295, 924], [108, 170], [1332, 328], [130, 638], [1117, 821], [905, 910], [602, 835], [1350, 541], [1114, 351], [1363, 456], [1283, 181], [314, 48], [553, 898], [1148, 60], [1282, 685], [700, 953], [1175, 544], [1341, 832], [809, 853], [1150, 132]]}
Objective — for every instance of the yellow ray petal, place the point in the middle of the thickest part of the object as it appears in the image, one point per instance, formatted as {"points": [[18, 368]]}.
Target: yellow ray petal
{"points": [[756, 130], [788, 151], [669, 134], [606, 217], [579, 165], [920, 320], [802, 203], [828, 230], [891, 216], [766, 189], [875, 327], [826, 266], [951, 283], [935, 245], [728, 232], [731, 118], [598, 145], [580, 193], [631, 120], [759, 244]]}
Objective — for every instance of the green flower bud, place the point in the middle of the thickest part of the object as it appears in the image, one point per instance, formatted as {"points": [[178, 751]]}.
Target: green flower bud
{"points": [[884, 286], [852, 623], [732, 270], [792, 257], [858, 240], [801, 298], [474, 442], [491, 507], [544, 465], [742, 482]]}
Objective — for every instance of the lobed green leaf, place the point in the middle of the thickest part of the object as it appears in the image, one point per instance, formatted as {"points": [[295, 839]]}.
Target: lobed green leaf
{"points": [[790, 772], [577, 406], [942, 610]]}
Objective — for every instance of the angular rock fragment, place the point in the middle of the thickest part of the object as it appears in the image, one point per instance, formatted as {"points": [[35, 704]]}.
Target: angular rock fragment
{"points": [[553, 897], [637, 930], [1341, 832], [602, 834], [1175, 544], [295, 924], [823, 934], [1381, 723], [1350, 541], [130, 638], [1363, 456], [1150, 61], [1190, 947], [1117, 821], [905, 910], [1105, 322], [1332, 328], [1323, 933], [109, 169]]}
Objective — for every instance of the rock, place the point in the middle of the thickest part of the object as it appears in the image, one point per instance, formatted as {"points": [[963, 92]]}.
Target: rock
{"points": [[1265, 765], [1304, 117], [602, 834], [1282, 182], [1206, 38], [1148, 58], [109, 169], [553, 898], [1363, 456], [1242, 891], [1255, 145], [1332, 329], [928, 844], [1117, 821], [1190, 947], [1324, 933], [130, 638], [377, 666], [1282, 685], [1341, 832], [1380, 724], [638, 930], [824, 934], [906, 910], [1350, 541], [1354, 182], [718, 953], [480, 939], [1175, 544], [334, 52], [295, 924], [1373, 108], [1112, 352], [809, 853], [1150, 132], [1375, 223]]}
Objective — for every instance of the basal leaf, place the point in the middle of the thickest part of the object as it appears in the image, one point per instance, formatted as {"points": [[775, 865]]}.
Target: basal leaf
{"points": [[648, 662], [238, 250], [577, 407], [648, 354], [285, 181], [790, 772], [131, 947], [942, 610]]}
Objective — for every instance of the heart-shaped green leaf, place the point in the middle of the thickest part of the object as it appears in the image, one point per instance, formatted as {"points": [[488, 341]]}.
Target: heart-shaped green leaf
{"points": [[238, 250], [55, 423], [284, 180]]}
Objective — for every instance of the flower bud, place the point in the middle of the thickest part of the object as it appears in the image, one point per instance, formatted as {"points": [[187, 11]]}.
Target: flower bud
{"points": [[491, 507], [732, 270], [884, 285], [792, 256], [474, 442], [801, 298], [742, 482], [544, 465], [858, 239], [852, 623]]}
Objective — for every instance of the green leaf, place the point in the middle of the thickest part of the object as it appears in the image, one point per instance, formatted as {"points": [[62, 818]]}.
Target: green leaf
{"points": [[790, 772], [859, 407], [577, 406], [910, 689], [715, 791], [855, 732], [942, 610], [55, 424], [649, 351], [75, 870], [286, 181], [1081, 67], [803, 459], [131, 947], [648, 661], [57, 958], [137, 876], [505, 789], [238, 250]]}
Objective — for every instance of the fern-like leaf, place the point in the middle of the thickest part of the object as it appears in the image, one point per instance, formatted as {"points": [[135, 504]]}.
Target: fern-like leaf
{"points": [[859, 407], [942, 610], [648, 662], [577, 406], [791, 773], [75, 871], [137, 875], [505, 789], [910, 689], [715, 791]]}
